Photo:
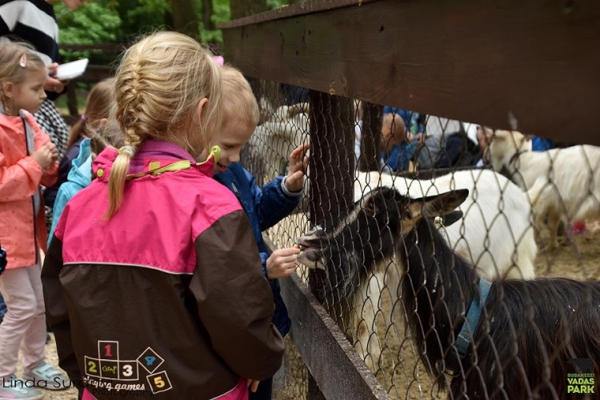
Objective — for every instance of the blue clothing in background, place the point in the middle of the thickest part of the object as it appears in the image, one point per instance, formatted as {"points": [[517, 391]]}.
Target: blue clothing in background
{"points": [[265, 207], [64, 168], [411, 119], [541, 144], [399, 156], [294, 94], [79, 177]]}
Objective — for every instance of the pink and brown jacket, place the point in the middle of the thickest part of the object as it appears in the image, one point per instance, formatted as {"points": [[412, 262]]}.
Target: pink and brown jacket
{"points": [[20, 179], [166, 299]]}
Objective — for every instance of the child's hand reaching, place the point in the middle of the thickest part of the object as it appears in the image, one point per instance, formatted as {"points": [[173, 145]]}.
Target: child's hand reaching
{"points": [[282, 263], [45, 155], [298, 164]]}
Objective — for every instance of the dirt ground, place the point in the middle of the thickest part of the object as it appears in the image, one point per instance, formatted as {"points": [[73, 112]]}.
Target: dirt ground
{"points": [[52, 358]]}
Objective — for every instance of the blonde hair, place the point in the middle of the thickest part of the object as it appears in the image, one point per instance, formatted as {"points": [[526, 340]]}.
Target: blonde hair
{"points": [[159, 86], [108, 135], [11, 69], [98, 106], [238, 97]]}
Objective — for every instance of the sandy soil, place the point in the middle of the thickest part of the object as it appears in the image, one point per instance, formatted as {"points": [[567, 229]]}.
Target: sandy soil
{"points": [[52, 358]]}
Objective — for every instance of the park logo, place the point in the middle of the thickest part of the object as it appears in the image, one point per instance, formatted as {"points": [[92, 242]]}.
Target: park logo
{"points": [[584, 380]]}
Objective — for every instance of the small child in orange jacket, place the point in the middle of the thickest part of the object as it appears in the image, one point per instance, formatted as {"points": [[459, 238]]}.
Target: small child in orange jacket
{"points": [[27, 159]]}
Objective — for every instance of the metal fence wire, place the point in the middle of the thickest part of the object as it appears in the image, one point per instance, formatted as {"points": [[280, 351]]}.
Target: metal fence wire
{"points": [[488, 293]]}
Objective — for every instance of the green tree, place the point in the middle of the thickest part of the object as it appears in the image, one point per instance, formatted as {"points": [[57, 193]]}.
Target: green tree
{"points": [[185, 18], [92, 23], [122, 21]]}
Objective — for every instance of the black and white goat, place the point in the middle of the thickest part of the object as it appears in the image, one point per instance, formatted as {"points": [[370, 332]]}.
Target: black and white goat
{"points": [[520, 336]]}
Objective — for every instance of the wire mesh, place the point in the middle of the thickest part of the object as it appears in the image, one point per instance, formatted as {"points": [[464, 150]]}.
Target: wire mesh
{"points": [[532, 213]]}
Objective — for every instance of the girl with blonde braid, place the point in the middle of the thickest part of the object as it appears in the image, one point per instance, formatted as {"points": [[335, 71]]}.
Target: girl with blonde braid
{"points": [[153, 282]]}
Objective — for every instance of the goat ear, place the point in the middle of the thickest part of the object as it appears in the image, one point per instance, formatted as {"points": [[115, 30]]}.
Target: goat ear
{"points": [[452, 217], [442, 204]]}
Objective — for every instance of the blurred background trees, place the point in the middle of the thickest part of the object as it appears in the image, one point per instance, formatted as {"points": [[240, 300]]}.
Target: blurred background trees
{"points": [[122, 21], [101, 29]]}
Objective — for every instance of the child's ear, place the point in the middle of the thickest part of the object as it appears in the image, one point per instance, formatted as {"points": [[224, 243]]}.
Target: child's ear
{"points": [[8, 89], [102, 122], [200, 108]]}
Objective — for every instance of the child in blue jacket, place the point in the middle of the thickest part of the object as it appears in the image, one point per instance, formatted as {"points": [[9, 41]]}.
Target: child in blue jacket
{"points": [[264, 206], [80, 175]]}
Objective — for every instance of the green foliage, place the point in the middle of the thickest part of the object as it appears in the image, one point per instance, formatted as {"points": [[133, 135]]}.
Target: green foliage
{"points": [[220, 14], [273, 4], [122, 21], [142, 16], [91, 23]]}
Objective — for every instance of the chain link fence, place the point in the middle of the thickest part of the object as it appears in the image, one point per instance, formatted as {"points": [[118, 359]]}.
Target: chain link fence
{"points": [[380, 265]]}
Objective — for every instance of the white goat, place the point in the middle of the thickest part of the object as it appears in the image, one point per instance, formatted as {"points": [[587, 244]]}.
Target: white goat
{"points": [[568, 185], [276, 138], [494, 233]]}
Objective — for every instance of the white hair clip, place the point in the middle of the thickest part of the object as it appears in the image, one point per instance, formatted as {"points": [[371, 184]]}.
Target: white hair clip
{"points": [[23, 61]]}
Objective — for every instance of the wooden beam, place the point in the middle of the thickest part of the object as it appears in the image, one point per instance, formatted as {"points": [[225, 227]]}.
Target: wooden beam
{"points": [[336, 367], [529, 65], [301, 8]]}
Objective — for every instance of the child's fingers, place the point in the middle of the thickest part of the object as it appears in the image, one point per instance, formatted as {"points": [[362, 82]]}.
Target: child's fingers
{"points": [[287, 251], [299, 151]]}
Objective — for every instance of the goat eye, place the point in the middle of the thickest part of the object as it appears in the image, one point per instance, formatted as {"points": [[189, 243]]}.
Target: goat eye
{"points": [[370, 208]]}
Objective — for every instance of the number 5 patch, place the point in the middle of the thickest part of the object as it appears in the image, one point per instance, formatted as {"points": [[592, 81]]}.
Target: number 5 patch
{"points": [[159, 382]]}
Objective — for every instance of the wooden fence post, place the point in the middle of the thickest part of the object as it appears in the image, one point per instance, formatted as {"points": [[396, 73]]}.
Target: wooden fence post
{"points": [[331, 173], [370, 137]]}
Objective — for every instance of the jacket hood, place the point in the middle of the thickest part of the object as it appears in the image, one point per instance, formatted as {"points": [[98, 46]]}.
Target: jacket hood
{"points": [[81, 170]]}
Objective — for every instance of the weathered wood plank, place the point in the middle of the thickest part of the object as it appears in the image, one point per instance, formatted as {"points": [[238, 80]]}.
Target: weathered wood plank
{"points": [[479, 62], [334, 364], [302, 8]]}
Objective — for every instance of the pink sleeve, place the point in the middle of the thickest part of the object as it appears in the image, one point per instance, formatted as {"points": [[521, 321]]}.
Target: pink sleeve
{"points": [[19, 181]]}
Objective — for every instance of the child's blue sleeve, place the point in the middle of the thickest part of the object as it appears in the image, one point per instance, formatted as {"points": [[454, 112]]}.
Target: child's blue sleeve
{"points": [[62, 198], [271, 203]]}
